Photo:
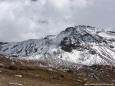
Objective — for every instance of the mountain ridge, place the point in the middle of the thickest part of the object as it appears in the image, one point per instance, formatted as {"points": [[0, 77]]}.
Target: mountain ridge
{"points": [[81, 44]]}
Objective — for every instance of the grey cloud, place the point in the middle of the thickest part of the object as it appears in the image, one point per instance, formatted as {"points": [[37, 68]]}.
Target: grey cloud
{"points": [[24, 19]]}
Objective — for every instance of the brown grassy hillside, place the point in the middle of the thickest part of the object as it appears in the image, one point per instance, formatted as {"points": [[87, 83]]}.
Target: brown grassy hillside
{"points": [[12, 74]]}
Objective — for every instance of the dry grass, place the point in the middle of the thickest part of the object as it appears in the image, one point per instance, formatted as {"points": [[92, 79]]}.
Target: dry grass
{"points": [[37, 76]]}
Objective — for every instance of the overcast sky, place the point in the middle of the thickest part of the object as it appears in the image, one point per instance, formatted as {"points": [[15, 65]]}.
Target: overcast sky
{"points": [[27, 19]]}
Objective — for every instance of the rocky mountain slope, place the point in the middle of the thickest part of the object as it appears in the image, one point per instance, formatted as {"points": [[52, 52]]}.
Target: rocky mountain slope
{"points": [[84, 45]]}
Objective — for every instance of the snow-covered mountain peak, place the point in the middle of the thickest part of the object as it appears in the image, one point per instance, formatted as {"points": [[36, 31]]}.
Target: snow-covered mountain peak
{"points": [[81, 28], [80, 44], [82, 33]]}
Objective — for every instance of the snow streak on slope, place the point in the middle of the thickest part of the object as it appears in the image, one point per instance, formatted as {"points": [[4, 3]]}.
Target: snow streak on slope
{"points": [[80, 44]]}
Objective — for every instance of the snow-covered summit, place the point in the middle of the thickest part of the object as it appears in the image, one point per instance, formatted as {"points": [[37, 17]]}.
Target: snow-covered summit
{"points": [[80, 44]]}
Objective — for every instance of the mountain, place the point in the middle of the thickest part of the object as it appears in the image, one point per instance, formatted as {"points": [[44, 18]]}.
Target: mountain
{"points": [[81, 45]]}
